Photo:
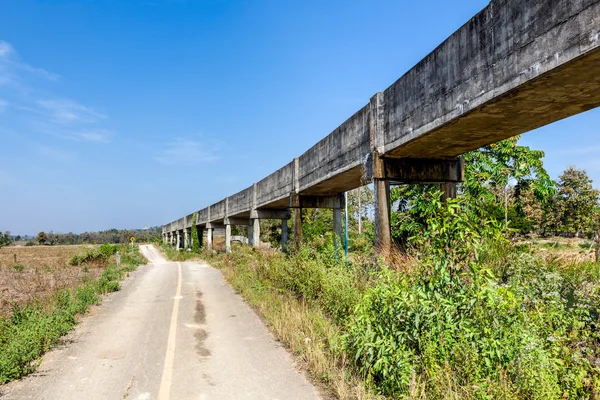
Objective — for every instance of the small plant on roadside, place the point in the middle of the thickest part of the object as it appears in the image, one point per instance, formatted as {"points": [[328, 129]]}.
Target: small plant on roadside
{"points": [[18, 267]]}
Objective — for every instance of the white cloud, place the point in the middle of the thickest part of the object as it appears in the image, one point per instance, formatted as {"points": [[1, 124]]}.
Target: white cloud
{"points": [[5, 49], [188, 152], [37, 107], [65, 111], [13, 69], [89, 135]]}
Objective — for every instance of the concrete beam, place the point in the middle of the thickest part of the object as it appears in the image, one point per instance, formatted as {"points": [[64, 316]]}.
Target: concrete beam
{"points": [[270, 214], [301, 201], [415, 170], [235, 221]]}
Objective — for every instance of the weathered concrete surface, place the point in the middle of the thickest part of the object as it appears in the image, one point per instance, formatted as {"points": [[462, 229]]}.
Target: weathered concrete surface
{"points": [[517, 65], [222, 350]]}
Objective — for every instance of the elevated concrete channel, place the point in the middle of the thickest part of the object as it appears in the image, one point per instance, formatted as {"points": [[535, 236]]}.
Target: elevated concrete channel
{"points": [[515, 66]]}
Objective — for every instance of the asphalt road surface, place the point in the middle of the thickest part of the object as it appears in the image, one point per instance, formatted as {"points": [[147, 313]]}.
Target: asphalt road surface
{"points": [[175, 331]]}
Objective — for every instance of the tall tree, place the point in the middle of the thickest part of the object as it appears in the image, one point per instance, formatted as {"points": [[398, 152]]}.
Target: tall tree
{"points": [[491, 170], [575, 202]]}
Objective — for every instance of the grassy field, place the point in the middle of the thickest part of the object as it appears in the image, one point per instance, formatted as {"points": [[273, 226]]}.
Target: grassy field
{"points": [[36, 272], [44, 290]]}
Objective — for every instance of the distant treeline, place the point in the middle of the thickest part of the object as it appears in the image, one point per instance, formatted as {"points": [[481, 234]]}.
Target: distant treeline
{"points": [[109, 236]]}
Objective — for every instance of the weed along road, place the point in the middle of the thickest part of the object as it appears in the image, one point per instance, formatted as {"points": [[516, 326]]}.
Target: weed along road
{"points": [[175, 331]]}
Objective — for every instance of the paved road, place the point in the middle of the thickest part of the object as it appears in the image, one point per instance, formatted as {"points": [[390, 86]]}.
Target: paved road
{"points": [[175, 331]]}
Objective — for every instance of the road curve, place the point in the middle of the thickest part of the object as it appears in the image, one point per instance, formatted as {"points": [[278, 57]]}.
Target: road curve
{"points": [[175, 331]]}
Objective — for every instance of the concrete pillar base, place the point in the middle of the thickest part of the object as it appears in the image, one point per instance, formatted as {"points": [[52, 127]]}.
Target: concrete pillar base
{"points": [[209, 238], [448, 190], [383, 235], [284, 234], [254, 233], [298, 226], [337, 227], [227, 238]]}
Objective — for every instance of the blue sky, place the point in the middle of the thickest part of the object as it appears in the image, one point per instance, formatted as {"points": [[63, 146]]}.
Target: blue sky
{"points": [[131, 113]]}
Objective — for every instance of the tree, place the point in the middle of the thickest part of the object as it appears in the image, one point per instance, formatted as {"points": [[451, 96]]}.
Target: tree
{"points": [[42, 238], [489, 172], [360, 200], [5, 239], [503, 182], [574, 204]]}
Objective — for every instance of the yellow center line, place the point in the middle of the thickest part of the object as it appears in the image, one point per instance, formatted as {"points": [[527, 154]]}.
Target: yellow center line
{"points": [[167, 375]]}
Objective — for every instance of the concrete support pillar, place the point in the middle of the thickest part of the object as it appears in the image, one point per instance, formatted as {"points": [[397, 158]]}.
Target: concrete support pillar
{"points": [[227, 238], [284, 234], [186, 239], [383, 236], [250, 234], [448, 190], [298, 226], [209, 238], [171, 238], [337, 226], [178, 240], [254, 233]]}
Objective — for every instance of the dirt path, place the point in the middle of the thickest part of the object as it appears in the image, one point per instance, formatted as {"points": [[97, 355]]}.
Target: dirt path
{"points": [[175, 331]]}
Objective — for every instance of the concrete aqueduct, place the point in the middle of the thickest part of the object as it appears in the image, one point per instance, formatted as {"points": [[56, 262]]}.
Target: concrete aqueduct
{"points": [[515, 66]]}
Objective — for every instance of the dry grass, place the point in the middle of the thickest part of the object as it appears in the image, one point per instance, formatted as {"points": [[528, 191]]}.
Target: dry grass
{"points": [[306, 331], [36, 272], [562, 249]]}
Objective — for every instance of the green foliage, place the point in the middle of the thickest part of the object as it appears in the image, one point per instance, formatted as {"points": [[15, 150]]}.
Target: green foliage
{"points": [[5, 239], [18, 267], [475, 317], [115, 236], [175, 255], [574, 205], [493, 318], [102, 253], [196, 239], [33, 329], [503, 182], [42, 238]]}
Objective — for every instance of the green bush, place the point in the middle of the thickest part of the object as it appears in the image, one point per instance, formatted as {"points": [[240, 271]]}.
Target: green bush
{"points": [[475, 317], [499, 322], [102, 253]]}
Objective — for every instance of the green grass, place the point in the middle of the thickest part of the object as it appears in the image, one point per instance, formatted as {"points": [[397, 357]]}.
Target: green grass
{"points": [[32, 330], [178, 255]]}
